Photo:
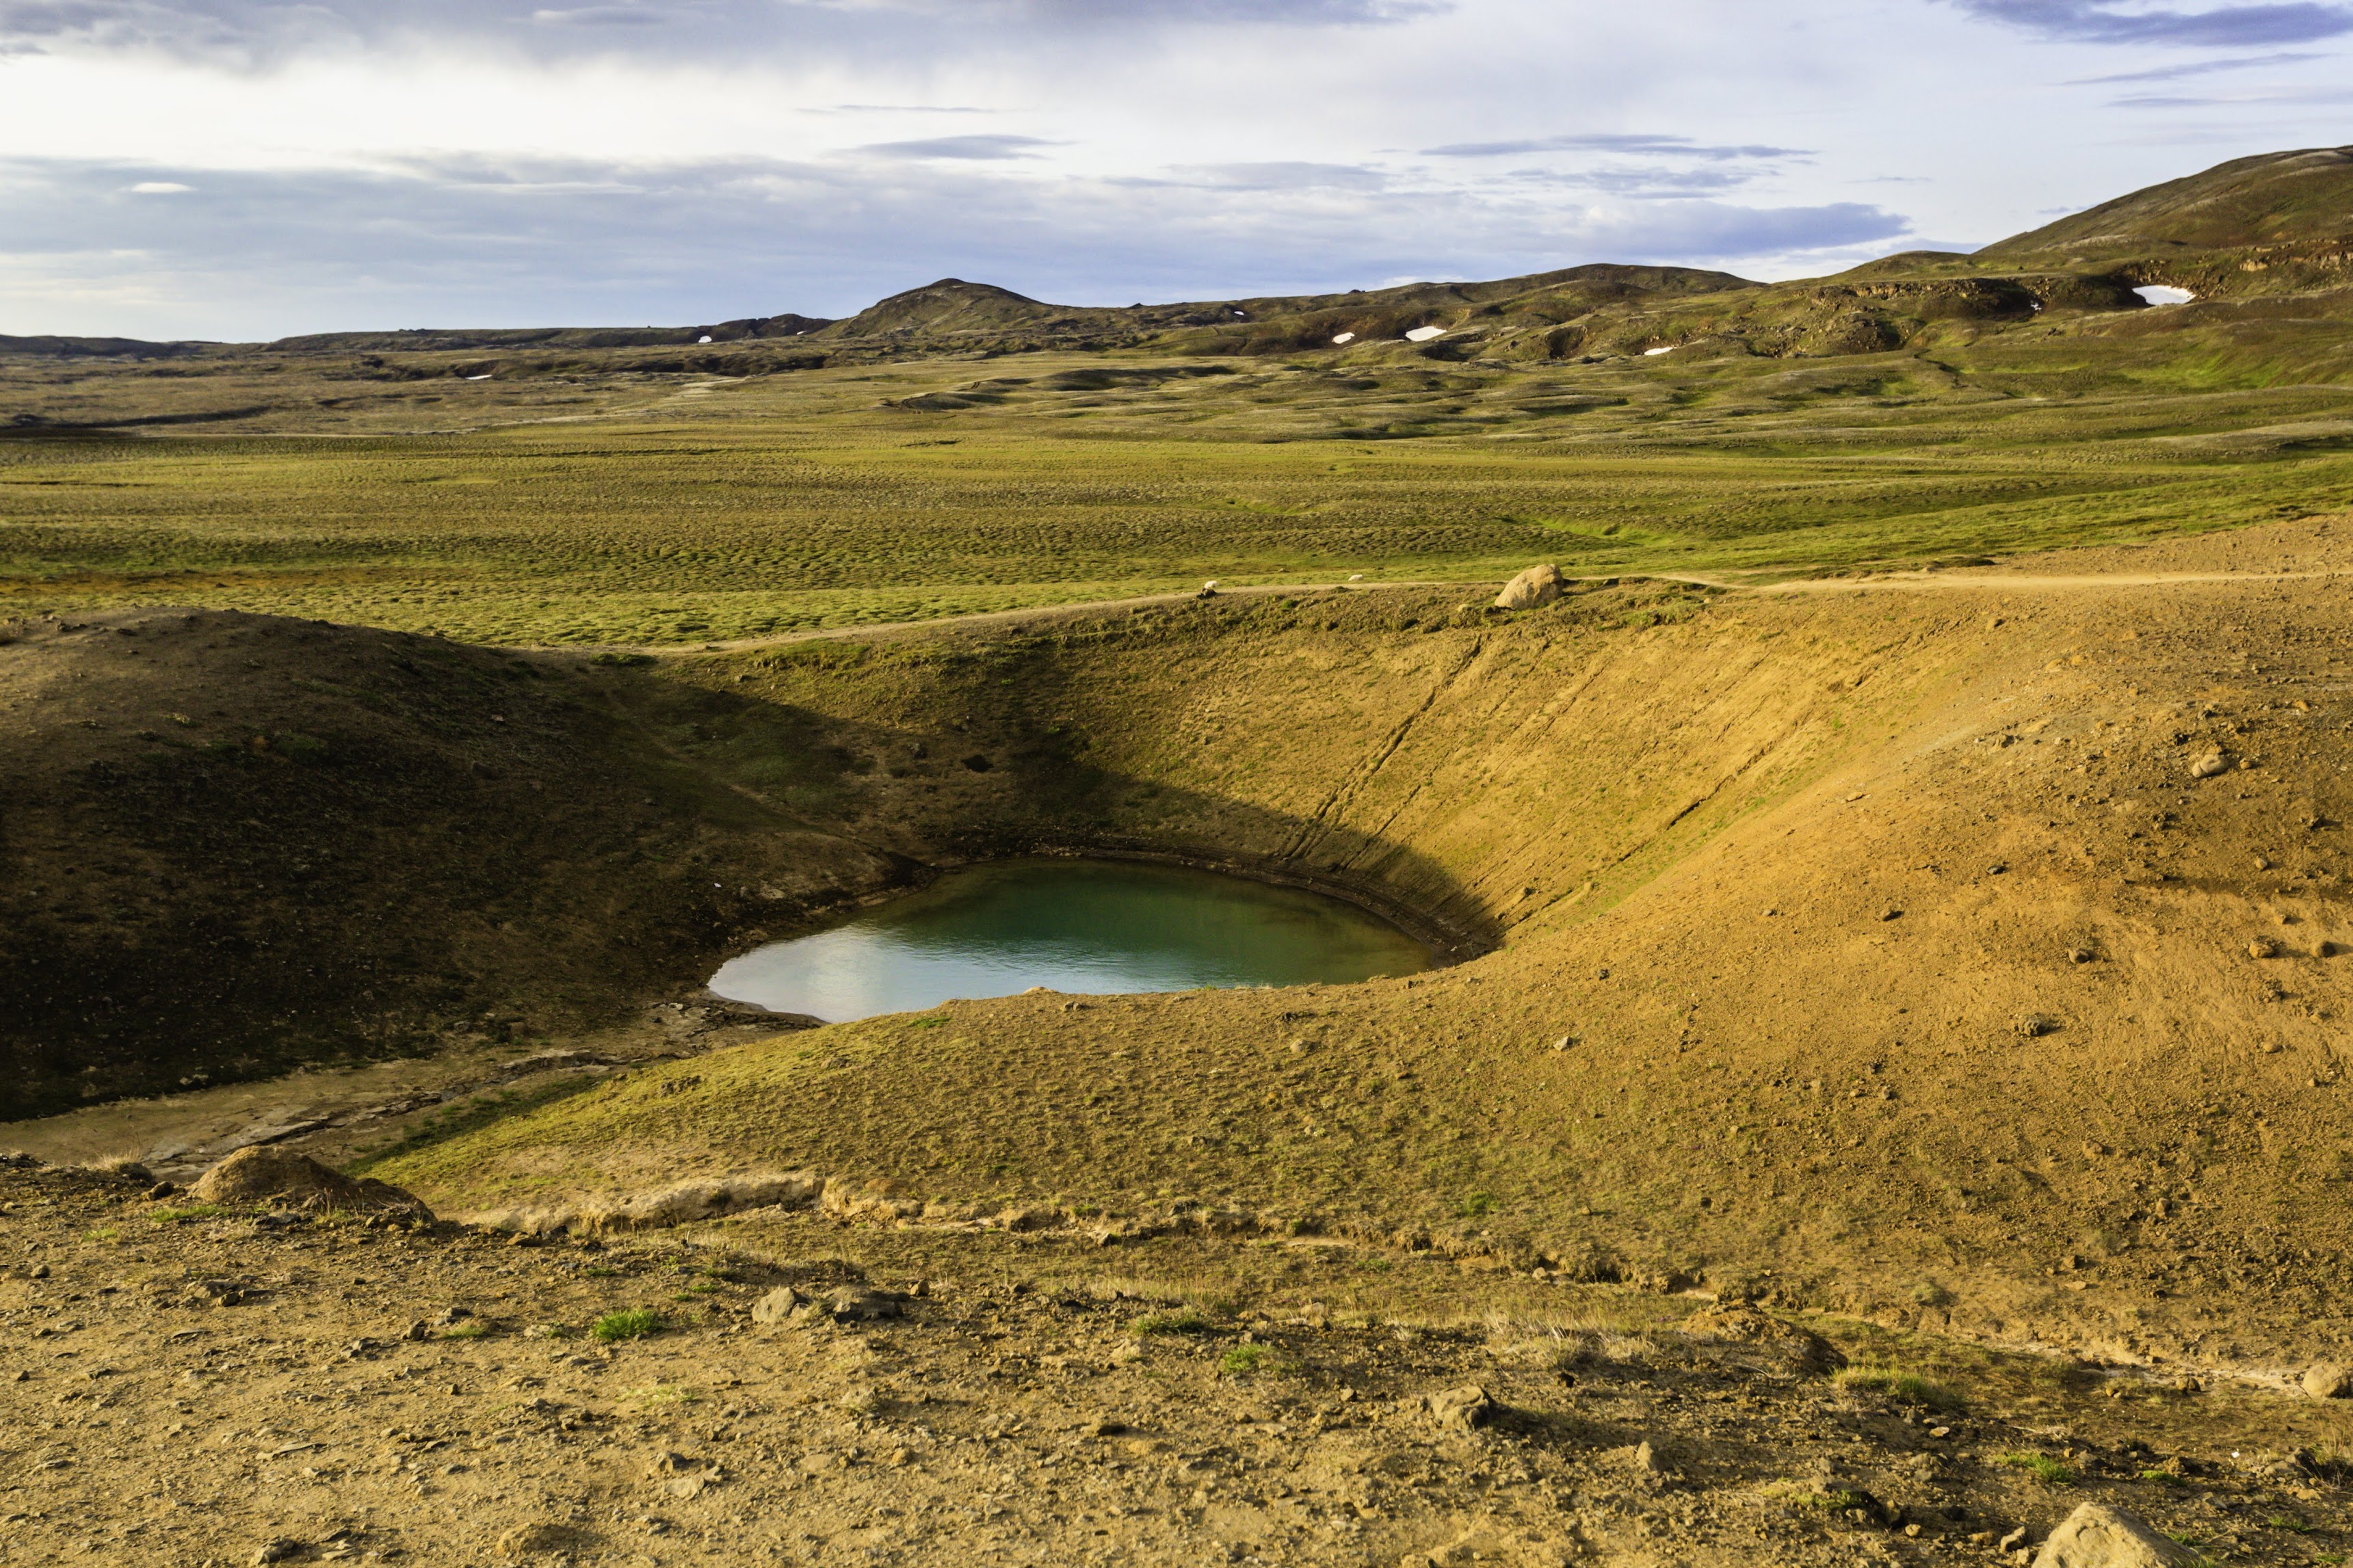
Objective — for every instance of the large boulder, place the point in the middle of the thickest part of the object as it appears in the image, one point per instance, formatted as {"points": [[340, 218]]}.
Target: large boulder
{"points": [[2329, 1380], [1536, 587], [261, 1175], [2098, 1536]]}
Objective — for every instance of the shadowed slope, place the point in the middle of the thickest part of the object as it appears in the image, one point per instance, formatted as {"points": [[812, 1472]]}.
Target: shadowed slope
{"points": [[237, 843]]}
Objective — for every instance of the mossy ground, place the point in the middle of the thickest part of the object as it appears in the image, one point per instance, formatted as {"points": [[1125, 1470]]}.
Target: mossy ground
{"points": [[696, 511]]}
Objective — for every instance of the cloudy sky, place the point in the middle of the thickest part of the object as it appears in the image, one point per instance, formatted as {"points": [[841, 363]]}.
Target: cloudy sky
{"points": [[248, 168]]}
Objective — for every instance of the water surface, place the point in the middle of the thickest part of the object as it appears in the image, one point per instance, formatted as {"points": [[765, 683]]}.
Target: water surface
{"points": [[1091, 926]]}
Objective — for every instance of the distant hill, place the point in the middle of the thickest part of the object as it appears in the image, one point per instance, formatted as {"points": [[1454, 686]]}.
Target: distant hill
{"points": [[2276, 199], [97, 348], [2276, 224], [950, 305]]}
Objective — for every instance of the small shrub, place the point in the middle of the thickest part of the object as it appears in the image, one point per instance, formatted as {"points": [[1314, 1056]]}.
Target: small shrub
{"points": [[623, 660], [2162, 1477], [2042, 1467], [183, 1214], [2292, 1525], [103, 1233], [1188, 1321], [1242, 1359], [633, 1323], [1475, 1205], [1908, 1386], [601, 1273], [464, 1331], [661, 1393]]}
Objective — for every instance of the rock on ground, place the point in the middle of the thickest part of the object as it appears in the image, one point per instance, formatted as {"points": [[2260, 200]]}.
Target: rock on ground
{"points": [[1799, 1351], [1464, 1409], [2097, 1536], [1532, 589], [2329, 1380], [262, 1174]]}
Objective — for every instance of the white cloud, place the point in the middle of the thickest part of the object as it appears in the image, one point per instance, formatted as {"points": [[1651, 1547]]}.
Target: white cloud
{"points": [[476, 161]]}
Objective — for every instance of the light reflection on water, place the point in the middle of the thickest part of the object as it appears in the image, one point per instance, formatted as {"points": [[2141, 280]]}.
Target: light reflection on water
{"points": [[1086, 926]]}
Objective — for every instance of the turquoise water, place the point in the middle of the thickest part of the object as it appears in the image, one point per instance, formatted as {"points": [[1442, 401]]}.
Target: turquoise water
{"points": [[1086, 926]]}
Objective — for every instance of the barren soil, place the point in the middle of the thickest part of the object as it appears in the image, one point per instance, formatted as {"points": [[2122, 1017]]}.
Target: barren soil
{"points": [[186, 1386]]}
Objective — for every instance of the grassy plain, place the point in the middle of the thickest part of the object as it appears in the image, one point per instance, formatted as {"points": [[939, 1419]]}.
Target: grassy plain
{"points": [[678, 509]]}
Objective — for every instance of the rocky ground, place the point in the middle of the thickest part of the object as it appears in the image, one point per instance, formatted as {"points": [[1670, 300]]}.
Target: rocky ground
{"points": [[187, 1382]]}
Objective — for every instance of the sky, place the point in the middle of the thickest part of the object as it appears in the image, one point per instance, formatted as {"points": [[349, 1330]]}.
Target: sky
{"points": [[246, 169]]}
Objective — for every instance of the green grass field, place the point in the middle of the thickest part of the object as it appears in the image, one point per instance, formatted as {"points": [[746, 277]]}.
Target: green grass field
{"points": [[681, 510]]}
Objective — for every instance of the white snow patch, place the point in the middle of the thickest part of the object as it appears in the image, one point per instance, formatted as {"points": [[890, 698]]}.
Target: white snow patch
{"points": [[1654, 353], [484, 376], [1423, 334], [2164, 294], [160, 188], [1346, 338], [703, 339]]}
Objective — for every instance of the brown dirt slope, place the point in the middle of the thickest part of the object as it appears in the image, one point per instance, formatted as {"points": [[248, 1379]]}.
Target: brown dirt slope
{"points": [[1883, 946]]}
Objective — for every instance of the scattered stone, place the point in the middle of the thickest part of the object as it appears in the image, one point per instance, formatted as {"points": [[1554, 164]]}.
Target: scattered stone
{"points": [[2207, 767], [1464, 1409], [1532, 589], [1794, 1348], [263, 1174], [161, 1190], [2098, 1536], [38, 1272], [535, 1539], [282, 1550], [2329, 1380], [2262, 947], [777, 1306], [2035, 1025], [2080, 955], [1891, 913], [861, 1307]]}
